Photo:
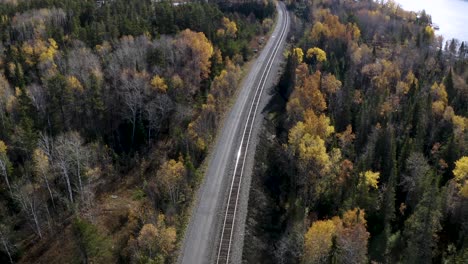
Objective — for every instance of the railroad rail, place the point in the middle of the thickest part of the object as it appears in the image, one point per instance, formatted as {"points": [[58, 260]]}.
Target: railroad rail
{"points": [[224, 248]]}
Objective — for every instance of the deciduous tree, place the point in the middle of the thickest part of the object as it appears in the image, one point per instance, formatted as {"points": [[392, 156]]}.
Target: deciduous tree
{"points": [[193, 52], [170, 177], [461, 175], [26, 196], [317, 53], [5, 165], [43, 171], [6, 245], [318, 242]]}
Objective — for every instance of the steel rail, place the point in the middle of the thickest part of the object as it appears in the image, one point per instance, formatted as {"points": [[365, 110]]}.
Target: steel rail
{"points": [[230, 215]]}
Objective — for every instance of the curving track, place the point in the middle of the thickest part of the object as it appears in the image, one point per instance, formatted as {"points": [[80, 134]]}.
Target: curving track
{"points": [[214, 225]]}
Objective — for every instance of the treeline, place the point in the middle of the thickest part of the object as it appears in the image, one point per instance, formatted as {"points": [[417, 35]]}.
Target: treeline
{"points": [[371, 149], [104, 97]]}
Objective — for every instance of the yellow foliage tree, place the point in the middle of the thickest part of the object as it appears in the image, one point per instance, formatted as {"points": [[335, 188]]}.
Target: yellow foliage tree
{"points": [[388, 76], [348, 234], [461, 175], [218, 57], [42, 170], [220, 32], [337, 29], [225, 84], [353, 217], [370, 178], [75, 84], [4, 164], [460, 124], [157, 239], [353, 30], [197, 139], [439, 93], [319, 54], [313, 148], [230, 27], [411, 78], [330, 84], [39, 50], [352, 238], [429, 33], [403, 87], [317, 125], [310, 149], [49, 52], [6, 93], [306, 94], [318, 241], [147, 239], [438, 108], [159, 84], [201, 48], [298, 55], [170, 176], [329, 26], [319, 30], [346, 137], [167, 239], [3, 148], [439, 98]]}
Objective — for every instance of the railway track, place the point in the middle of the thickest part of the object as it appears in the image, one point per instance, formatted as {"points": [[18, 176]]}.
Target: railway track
{"points": [[224, 247]]}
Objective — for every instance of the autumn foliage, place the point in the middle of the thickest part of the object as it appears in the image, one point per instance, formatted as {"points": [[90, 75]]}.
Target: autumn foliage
{"points": [[374, 117]]}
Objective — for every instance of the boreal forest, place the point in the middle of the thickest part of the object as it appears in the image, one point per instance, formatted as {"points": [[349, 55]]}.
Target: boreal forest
{"points": [[364, 157], [107, 111]]}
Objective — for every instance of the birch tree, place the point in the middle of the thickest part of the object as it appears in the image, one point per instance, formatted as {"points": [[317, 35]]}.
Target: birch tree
{"points": [[170, 176], [132, 87], [5, 242], [6, 94], [4, 164], [62, 165], [72, 158], [30, 205], [157, 111], [42, 170]]}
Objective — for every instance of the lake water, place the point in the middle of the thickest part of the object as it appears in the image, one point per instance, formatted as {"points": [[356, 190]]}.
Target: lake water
{"points": [[450, 15]]}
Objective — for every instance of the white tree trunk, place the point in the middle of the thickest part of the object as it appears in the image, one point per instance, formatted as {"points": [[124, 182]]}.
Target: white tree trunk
{"points": [[78, 173], [50, 191], [5, 246], [35, 218], [5, 174], [67, 179]]}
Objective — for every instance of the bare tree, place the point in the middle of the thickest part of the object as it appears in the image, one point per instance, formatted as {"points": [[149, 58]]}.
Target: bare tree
{"points": [[129, 54], [157, 111], [33, 23], [132, 88], [4, 164], [42, 170], [38, 97], [72, 159], [25, 195], [5, 241], [82, 63], [78, 156], [62, 164], [5, 95]]}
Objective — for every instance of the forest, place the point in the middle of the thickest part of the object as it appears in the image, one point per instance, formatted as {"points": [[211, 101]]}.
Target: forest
{"points": [[365, 153], [107, 112]]}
